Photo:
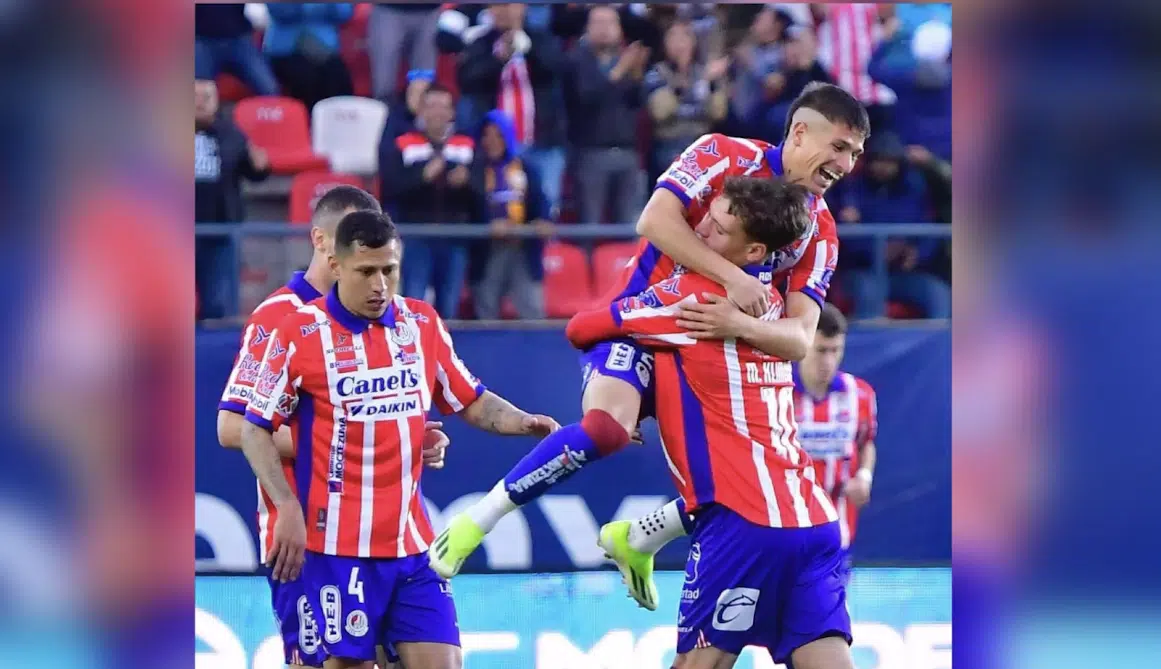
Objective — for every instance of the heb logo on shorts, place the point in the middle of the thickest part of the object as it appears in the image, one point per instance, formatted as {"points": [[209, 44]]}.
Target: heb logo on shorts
{"points": [[381, 394], [735, 609]]}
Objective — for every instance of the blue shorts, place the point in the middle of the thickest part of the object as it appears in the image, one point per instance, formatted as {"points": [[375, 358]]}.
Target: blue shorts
{"points": [[360, 603], [626, 360], [747, 585], [296, 625]]}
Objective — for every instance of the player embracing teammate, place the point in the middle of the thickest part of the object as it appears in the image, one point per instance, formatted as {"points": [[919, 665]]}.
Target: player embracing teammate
{"points": [[826, 131]]}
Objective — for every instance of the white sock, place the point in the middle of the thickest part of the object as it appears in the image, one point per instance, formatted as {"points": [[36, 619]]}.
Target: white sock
{"points": [[494, 506], [651, 532]]}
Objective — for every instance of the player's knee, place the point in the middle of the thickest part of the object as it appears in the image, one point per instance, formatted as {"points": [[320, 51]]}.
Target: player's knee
{"points": [[607, 432], [615, 397]]}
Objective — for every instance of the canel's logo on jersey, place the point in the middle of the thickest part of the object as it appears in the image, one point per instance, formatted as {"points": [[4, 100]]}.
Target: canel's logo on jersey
{"points": [[385, 380], [381, 394]]}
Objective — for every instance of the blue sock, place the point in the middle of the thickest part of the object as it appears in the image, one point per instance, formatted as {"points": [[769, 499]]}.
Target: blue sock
{"points": [[557, 457]]}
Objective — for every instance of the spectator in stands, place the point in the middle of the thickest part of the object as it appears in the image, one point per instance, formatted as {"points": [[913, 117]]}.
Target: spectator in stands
{"points": [[393, 29], [604, 96], [800, 67], [569, 22], [224, 42], [847, 34], [685, 97], [426, 178], [302, 43], [757, 60], [517, 69], [890, 190], [404, 110], [222, 158], [918, 68], [508, 266]]}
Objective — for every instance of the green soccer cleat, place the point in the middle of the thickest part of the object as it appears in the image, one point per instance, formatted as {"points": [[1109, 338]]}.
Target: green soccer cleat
{"points": [[636, 567], [454, 545]]}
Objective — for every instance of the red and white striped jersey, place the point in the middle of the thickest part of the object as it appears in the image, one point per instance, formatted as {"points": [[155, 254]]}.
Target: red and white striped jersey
{"points": [[364, 389], [846, 41], [725, 409], [696, 178], [244, 376], [832, 430]]}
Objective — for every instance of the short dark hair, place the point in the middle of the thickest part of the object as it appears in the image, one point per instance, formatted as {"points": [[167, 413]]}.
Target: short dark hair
{"points": [[341, 198], [831, 322], [835, 104], [772, 212], [372, 229]]}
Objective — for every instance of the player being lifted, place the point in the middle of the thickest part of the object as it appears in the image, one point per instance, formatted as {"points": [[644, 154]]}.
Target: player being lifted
{"points": [[837, 418], [297, 628], [765, 564], [826, 130], [365, 366]]}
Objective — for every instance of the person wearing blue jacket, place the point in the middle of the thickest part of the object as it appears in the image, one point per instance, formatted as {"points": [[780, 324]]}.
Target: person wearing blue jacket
{"points": [[513, 197], [302, 43], [917, 66]]}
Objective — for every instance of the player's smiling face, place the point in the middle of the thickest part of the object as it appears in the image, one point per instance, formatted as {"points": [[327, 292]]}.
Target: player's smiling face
{"points": [[824, 152], [724, 234], [368, 277]]}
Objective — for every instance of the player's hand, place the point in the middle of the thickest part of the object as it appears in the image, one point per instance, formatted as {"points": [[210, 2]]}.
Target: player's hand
{"points": [[751, 295], [539, 426], [715, 318], [458, 177], [435, 444], [433, 168], [288, 547], [858, 492]]}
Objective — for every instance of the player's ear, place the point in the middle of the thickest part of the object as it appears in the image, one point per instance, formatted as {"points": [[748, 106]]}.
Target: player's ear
{"points": [[333, 263], [756, 253]]}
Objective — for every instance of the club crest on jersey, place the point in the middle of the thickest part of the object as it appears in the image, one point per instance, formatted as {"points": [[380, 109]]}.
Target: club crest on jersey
{"points": [[260, 335], [402, 334]]}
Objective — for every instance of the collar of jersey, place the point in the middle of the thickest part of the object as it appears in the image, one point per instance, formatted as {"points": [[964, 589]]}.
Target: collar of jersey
{"points": [[353, 322], [774, 159], [302, 288], [836, 384], [756, 270]]}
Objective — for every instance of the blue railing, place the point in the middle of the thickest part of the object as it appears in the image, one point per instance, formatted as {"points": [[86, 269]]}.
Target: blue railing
{"points": [[879, 233]]}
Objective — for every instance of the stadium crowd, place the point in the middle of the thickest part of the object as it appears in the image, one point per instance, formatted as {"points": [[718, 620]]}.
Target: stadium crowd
{"points": [[514, 115]]}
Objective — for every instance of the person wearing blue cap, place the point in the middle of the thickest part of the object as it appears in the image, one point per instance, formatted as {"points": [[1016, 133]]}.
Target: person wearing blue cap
{"points": [[404, 107]]}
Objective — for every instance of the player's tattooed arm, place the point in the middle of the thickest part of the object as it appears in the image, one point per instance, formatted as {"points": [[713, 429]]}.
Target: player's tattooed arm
{"points": [[497, 415], [259, 448]]}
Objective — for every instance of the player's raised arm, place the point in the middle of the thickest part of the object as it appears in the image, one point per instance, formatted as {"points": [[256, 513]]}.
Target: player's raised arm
{"points": [[663, 221], [650, 316]]}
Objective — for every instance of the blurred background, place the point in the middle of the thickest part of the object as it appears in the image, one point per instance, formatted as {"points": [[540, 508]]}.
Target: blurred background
{"points": [[292, 99]]}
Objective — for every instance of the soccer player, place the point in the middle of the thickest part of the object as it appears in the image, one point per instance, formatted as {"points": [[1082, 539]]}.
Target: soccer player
{"points": [[296, 626], [365, 365], [837, 419], [826, 131], [765, 564]]}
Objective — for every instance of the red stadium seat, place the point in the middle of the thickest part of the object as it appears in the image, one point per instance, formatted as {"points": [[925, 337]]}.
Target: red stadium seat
{"points": [[231, 88], [608, 261], [308, 187], [353, 49], [567, 280], [279, 125], [901, 311]]}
